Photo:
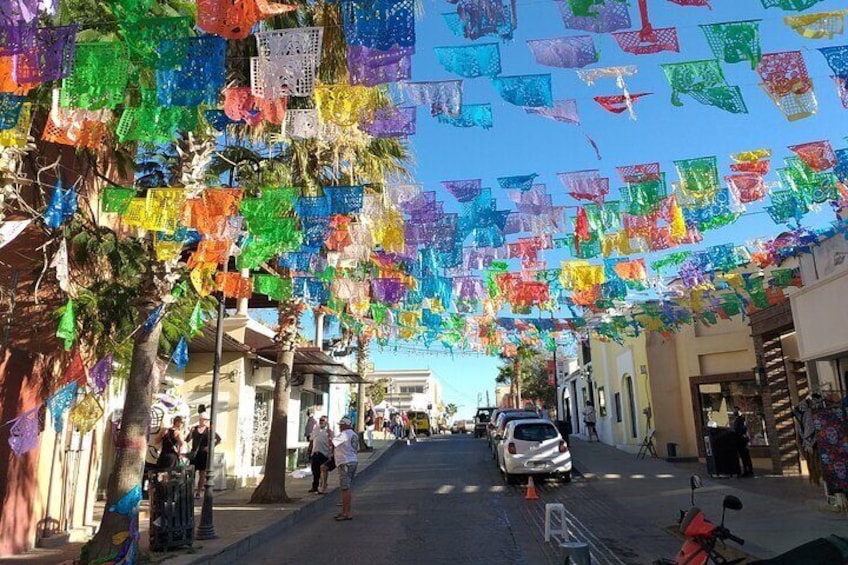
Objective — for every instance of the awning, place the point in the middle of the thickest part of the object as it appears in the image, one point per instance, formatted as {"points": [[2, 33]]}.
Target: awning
{"points": [[311, 360], [204, 342]]}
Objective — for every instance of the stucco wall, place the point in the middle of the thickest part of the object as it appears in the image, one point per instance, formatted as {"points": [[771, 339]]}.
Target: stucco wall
{"points": [[672, 400]]}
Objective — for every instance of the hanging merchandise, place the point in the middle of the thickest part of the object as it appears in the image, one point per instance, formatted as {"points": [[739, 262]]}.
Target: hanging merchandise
{"points": [[390, 122], [379, 24], [99, 76], [837, 59], [648, 39], [443, 97], [370, 67], [24, 430], [787, 83], [471, 61], [564, 52], [470, 115], [525, 90], [287, 62], [819, 25], [596, 16], [235, 20], [733, 42], [704, 81], [85, 415]]}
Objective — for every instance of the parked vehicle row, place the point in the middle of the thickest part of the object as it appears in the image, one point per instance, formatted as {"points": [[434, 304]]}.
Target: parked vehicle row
{"points": [[522, 444]]}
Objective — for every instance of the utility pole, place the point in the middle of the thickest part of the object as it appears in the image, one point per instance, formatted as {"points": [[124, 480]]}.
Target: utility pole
{"points": [[487, 398]]}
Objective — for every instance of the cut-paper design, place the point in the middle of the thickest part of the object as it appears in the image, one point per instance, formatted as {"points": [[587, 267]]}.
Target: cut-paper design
{"points": [[564, 52], [618, 103], [470, 115], [191, 72], [390, 122], [49, 58], [787, 83], [790, 5], [597, 16], [287, 62], [525, 90], [370, 67], [733, 42], [648, 39], [478, 18], [443, 97], [379, 24], [23, 433], [704, 81], [345, 105], [235, 20], [99, 76], [586, 185], [562, 111], [818, 26], [817, 155], [837, 60], [471, 61]]}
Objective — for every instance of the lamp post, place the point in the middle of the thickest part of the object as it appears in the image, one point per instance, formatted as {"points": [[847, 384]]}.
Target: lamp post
{"points": [[206, 528]]}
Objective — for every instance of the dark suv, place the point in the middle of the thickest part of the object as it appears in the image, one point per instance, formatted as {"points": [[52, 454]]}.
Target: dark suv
{"points": [[481, 420]]}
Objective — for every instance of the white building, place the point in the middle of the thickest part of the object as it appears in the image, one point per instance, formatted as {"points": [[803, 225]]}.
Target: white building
{"points": [[416, 389]]}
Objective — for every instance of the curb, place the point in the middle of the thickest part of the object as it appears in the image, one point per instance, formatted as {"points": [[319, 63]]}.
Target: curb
{"points": [[228, 554]]}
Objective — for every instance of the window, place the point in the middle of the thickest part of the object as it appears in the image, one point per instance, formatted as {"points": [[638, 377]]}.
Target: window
{"points": [[602, 402], [412, 389], [618, 407], [534, 432], [717, 401]]}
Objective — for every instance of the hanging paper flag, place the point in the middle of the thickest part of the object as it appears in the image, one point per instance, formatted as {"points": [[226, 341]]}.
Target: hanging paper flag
{"points": [[648, 39], [787, 83], [23, 433], [390, 122], [786, 207], [463, 190], [153, 318], [520, 182], [190, 71], [101, 374], [145, 36], [180, 355], [272, 286], [235, 20], [67, 329], [389, 291], [48, 58], [233, 285], [704, 81], [471, 61], [16, 36], [525, 90], [733, 42], [564, 52], [60, 263], [59, 402], [639, 173], [698, 177], [62, 206], [817, 155], [748, 179], [345, 199], [597, 16], [379, 24], [370, 67], [345, 105], [129, 502], [618, 103], [99, 77], [85, 415], [443, 97], [10, 229], [790, 5], [810, 186], [240, 105], [837, 59], [692, 3], [18, 134], [196, 319], [589, 76], [586, 185], [819, 25], [152, 123], [287, 62], [470, 115], [479, 18], [301, 124], [562, 111]]}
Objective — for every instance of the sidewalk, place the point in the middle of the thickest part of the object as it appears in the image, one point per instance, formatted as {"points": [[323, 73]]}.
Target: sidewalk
{"points": [[779, 512], [239, 526]]}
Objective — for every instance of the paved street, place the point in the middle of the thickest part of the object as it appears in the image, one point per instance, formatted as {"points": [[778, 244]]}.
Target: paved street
{"points": [[437, 501]]}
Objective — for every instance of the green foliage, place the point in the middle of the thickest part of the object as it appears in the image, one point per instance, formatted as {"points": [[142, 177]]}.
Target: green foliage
{"points": [[534, 375]]}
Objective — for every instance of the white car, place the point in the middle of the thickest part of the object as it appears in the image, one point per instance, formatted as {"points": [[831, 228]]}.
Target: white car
{"points": [[533, 447]]}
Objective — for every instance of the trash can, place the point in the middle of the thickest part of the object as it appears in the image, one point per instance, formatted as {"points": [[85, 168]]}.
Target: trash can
{"points": [[722, 453], [575, 553], [671, 449], [171, 508]]}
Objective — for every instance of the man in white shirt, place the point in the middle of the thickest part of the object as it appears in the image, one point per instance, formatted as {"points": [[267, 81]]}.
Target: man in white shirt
{"points": [[319, 451], [345, 449]]}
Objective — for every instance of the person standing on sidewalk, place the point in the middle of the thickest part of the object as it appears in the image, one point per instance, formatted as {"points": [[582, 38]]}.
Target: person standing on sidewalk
{"points": [[740, 426], [590, 418], [318, 451], [345, 449], [369, 426], [310, 424]]}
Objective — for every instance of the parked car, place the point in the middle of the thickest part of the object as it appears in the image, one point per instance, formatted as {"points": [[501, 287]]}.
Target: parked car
{"points": [[458, 427], [482, 419], [504, 418], [533, 447], [420, 421]]}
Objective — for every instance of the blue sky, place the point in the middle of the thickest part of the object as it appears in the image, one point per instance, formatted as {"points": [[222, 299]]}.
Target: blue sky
{"points": [[520, 143]]}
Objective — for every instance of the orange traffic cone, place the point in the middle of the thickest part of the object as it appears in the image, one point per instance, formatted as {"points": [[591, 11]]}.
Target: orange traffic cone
{"points": [[531, 490]]}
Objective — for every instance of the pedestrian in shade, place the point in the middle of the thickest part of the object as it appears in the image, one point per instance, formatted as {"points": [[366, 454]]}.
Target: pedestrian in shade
{"points": [[345, 449], [319, 452], [199, 454]]}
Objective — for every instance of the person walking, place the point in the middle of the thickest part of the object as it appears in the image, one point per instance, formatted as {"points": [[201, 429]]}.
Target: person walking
{"points": [[369, 426], [199, 453], [172, 445], [740, 426], [590, 418], [310, 424], [345, 449], [318, 452]]}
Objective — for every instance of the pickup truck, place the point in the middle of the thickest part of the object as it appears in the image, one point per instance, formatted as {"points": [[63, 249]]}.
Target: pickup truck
{"points": [[481, 420]]}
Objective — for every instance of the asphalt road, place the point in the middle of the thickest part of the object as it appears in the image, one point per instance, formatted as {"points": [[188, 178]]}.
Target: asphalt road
{"points": [[438, 501]]}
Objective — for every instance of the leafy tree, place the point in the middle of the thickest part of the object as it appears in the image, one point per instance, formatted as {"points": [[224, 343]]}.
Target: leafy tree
{"points": [[451, 410], [533, 368]]}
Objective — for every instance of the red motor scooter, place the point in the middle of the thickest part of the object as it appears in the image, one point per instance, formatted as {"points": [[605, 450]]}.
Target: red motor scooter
{"points": [[702, 537]]}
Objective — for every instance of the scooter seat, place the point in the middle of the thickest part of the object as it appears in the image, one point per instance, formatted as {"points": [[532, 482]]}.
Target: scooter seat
{"points": [[832, 550]]}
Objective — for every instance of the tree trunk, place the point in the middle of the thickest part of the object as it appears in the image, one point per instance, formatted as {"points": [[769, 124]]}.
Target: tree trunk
{"points": [[272, 489], [517, 379], [131, 444], [362, 370]]}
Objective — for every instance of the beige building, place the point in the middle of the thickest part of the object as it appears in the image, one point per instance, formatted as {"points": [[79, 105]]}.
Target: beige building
{"points": [[415, 389]]}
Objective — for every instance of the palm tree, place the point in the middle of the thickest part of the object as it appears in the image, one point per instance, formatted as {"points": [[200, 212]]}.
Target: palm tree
{"points": [[451, 410]]}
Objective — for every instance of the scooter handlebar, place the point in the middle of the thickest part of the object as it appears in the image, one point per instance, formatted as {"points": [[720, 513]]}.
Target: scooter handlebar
{"points": [[724, 533]]}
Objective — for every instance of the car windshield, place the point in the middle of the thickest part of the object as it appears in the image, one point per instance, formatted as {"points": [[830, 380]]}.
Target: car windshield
{"points": [[510, 416], [534, 432]]}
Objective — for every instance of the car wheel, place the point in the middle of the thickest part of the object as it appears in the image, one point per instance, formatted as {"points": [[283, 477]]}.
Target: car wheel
{"points": [[565, 477]]}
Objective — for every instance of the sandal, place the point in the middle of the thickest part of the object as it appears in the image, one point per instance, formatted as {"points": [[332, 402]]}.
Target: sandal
{"points": [[342, 518]]}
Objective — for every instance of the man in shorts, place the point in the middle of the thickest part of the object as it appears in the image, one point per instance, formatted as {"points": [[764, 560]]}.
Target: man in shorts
{"points": [[345, 449]]}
